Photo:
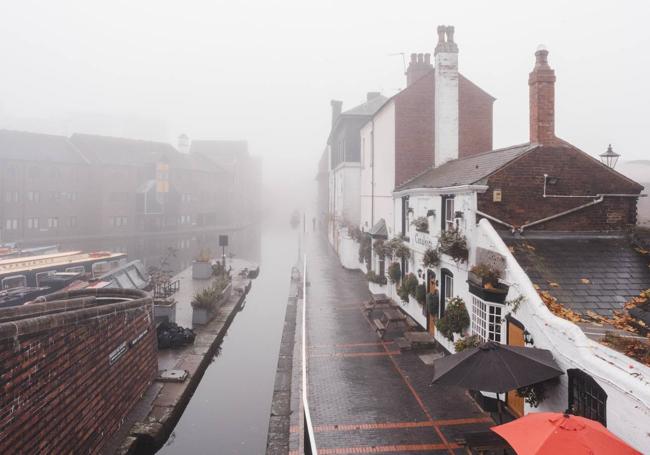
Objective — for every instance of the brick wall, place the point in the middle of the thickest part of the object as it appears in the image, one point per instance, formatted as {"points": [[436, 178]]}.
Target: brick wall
{"points": [[60, 394], [414, 125], [522, 182]]}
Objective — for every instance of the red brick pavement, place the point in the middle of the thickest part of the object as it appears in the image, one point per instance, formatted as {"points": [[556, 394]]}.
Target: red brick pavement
{"points": [[365, 396]]}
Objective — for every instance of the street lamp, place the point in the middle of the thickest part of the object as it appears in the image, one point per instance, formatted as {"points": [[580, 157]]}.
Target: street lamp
{"points": [[610, 157]]}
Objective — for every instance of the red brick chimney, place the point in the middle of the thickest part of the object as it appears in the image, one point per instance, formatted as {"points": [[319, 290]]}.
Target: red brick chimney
{"points": [[419, 66], [542, 100], [337, 107]]}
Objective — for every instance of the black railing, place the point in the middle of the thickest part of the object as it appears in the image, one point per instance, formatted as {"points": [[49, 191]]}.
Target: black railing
{"points": [[166, 289]]}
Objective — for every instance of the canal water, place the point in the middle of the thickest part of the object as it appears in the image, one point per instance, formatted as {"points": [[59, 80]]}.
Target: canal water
{"points": [[229, 412]]}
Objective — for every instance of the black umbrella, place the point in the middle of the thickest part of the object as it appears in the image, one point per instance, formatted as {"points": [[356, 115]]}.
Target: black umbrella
{"points": [[494, 367]]}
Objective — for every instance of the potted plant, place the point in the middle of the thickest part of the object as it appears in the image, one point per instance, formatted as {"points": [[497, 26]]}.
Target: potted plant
{"points": [[421, 293], [431, 258], [454, 244], [433, 303], [483, 281], [396, 248], [374, 277], [467, 342], [365, 248], [380, 248], [408, 287], [421, 224], [394, 272], [206, 302], [201, 267], [455, 319]]}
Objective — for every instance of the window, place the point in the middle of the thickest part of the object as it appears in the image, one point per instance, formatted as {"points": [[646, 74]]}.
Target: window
{"points": [[405, 215], [32, 223], [11, 224], [77, 269], [53, 222], [41, 275], [33, 196], [15, 281], [11, 196], [447, 291], [586, 397], [72, 221], [100, 268], [448, 213], [486, 320], [55, 195]]}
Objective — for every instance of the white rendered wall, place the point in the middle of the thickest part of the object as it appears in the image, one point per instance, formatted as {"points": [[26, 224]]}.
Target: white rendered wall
{"points": [[383, 164], [626, 382]]}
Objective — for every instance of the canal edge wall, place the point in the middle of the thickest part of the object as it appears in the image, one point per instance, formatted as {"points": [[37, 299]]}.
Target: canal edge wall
{"points": [[148, 435], [283, 404]]}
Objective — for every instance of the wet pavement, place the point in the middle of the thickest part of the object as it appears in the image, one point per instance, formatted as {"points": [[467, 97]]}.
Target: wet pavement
{"points": [[365, 395]]}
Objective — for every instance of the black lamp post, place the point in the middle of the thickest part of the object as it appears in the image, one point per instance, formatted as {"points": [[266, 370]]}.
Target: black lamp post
{"points": [[610, 157]]}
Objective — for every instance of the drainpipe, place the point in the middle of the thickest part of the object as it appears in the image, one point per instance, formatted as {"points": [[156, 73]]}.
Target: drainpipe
{"points": [[372, 178], [558, 215], [496, 220]]}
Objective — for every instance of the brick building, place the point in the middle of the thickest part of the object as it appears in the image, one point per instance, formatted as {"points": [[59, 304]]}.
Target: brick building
{"points": [[91, 192], [72, 369], [557, 226], [440, 115]]}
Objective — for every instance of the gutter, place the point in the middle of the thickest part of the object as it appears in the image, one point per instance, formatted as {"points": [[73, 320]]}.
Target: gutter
{"points": [[443, 190], [558, 215], [496, 220]]}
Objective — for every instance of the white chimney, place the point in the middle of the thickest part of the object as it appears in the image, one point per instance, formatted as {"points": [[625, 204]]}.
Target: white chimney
{"points": [[446, 97], [183, 143]]}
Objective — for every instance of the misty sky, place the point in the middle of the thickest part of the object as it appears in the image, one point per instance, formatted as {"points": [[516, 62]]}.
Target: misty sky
{"points": [[265, 70]]}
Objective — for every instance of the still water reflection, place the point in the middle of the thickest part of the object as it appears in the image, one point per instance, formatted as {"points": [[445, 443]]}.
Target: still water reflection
{"points": [[229, 411]]}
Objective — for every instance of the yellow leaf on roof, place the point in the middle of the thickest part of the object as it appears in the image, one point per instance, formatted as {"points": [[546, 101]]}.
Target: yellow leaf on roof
{"points": [[553, 284], [585, 280]]}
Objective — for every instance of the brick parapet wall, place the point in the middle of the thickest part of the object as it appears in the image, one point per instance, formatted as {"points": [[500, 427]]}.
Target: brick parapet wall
{"points": [[60, 392], [522, 184]]}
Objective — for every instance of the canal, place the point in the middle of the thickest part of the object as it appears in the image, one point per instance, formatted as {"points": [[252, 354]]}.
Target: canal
{"points": [[229, 412]]}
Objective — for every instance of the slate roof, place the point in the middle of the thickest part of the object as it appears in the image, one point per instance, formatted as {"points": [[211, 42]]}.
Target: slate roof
{"points": [[466, 171], [122, 151], [379, 230], [368, 108], [615, 270], [24, 146]]}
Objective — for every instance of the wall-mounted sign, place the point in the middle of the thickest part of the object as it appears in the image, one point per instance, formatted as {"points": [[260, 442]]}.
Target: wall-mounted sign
{"points": [[423, 239], [117, 353], [138, 338]]}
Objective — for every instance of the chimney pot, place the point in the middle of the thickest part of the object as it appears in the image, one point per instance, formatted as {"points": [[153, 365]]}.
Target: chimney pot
{"points": [[372, 95], [427, 58], [337, 107], [413, 58], [420, 58]]}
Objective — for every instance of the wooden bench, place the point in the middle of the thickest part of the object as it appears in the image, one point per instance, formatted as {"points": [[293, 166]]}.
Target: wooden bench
{"points": [[380, 328]]}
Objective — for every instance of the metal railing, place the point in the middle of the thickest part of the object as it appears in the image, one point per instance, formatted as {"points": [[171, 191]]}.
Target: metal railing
{"points": [[166, 289], [309, 442]]}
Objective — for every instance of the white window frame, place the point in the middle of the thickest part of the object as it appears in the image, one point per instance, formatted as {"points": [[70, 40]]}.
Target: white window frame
{"points": [[100, 268], [487, 320], [39, 275], [76, 269], [449, 215], [13, 277]]}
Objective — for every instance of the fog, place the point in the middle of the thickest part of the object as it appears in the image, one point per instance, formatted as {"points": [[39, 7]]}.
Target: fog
{"points": [[264, 71]]}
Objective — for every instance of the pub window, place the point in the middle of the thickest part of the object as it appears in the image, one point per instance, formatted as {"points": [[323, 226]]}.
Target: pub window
{"points": [[586, 397], [486, 320], [447, 291], [448, 213], [405, 215]]}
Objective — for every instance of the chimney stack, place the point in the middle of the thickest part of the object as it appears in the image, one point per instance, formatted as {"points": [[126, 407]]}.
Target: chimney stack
{"points": [[541, 84], [419, 65], [372, 95], [446, 97], [337, 107], [183, 143]]}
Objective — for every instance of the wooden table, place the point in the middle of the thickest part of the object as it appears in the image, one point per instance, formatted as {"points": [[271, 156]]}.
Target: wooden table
{"points": [[377, 300], [389, 316], [484, 443]]}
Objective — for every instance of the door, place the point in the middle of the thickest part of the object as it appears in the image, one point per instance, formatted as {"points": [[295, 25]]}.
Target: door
{"points": [[432, 288], [515, 338], [447, 291]]}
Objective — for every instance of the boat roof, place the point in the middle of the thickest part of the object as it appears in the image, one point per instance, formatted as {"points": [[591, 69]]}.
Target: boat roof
{"points": [[22, 264]]}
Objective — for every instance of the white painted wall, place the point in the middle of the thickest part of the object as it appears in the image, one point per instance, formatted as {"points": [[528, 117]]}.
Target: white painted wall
{"points": [[379, 134], [446, 107], [626, 381]]}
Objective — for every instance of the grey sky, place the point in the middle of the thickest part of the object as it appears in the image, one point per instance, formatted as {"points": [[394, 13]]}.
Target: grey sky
{"points": [[266, 70]]}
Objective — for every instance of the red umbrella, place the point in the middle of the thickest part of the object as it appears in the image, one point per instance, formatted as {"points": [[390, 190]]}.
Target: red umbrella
{"points": [[551, 433]]}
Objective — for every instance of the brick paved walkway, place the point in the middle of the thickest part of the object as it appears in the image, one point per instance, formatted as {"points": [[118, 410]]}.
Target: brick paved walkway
{"points": [[365, 396]]}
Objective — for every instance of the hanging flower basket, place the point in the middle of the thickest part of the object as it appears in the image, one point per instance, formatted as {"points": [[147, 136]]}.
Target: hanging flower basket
{"points": [[421, 224]]}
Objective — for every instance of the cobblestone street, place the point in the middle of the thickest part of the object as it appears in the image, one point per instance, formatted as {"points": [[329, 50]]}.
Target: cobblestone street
{"points": [[365, 395]]}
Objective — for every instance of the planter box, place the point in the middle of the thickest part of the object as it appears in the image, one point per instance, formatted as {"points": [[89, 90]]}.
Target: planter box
{"points": [[164, 310], [201, 270], [376, 288], [494, 295], [201, 316]]}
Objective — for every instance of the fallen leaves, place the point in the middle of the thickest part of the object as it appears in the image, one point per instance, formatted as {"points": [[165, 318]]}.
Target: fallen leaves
{"points": [[558, 309], [585, 281]]}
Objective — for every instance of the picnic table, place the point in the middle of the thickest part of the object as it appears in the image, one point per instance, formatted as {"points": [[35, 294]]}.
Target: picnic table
{"points": [[377, 300], [389, 316]]}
